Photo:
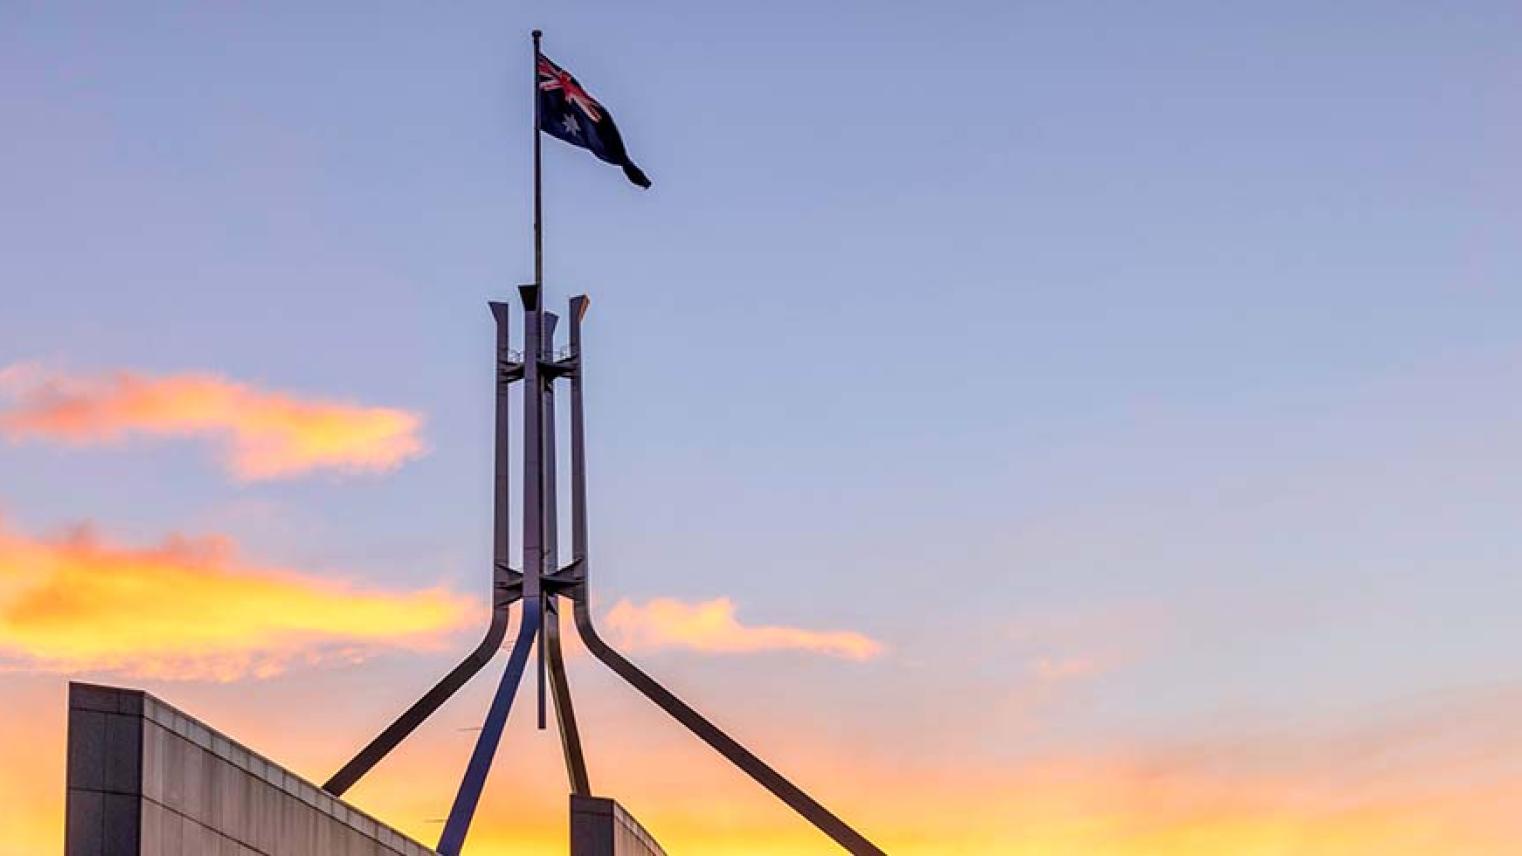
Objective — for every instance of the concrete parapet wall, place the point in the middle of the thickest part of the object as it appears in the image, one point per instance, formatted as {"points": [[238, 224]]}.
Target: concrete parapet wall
{"points": [[145, 779], [601, 827]]}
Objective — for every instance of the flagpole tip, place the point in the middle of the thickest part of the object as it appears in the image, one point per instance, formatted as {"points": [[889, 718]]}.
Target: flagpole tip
{"points": [[537, 34]]}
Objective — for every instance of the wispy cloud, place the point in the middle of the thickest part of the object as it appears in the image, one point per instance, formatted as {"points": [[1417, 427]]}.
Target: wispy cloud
{"points": [[192, 609], [1065, 643], [711, 626], [264, 434]]}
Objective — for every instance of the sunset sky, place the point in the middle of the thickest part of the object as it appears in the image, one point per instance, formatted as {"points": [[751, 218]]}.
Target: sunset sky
{"points": [[1035, 428]]}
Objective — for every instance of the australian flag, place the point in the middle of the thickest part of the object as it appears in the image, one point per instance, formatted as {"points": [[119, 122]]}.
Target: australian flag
{"points": [[568, 113]]}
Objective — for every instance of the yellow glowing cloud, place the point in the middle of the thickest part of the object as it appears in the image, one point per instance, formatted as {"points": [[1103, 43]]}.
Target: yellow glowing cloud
{"points": [[191, 609], [711, 626], [267, 434]]}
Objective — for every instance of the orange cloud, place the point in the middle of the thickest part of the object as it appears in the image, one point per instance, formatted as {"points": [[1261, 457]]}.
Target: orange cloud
{"points": [[191, 609], [266, 434], [711, 626]]}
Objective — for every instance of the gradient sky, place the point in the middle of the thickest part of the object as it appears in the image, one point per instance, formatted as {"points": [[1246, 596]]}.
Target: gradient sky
{"points": [[1120, 400]]}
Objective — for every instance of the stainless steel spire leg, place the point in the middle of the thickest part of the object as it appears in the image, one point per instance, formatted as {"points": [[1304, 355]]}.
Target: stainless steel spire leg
{"points": [[738, 755], [560, 685], [848, 838], [420, 710], [565, 717], [469, 795], [506, 584]]}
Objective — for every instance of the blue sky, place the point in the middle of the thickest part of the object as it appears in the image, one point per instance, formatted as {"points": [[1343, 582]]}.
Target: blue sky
{"points": [[1197, 321]]}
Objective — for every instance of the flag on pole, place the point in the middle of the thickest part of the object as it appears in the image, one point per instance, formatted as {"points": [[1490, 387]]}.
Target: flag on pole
{"points": [[567, 112]]}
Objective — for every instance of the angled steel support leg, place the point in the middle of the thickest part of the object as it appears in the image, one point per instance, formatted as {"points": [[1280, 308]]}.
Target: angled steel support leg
{"points": [[560, 685], [408, 722], [506, 584], [738, 755], [469, 795]]}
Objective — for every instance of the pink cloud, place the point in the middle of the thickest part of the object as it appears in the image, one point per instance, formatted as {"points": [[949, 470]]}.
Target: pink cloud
{"points": [[263, 434], [711, 627]]}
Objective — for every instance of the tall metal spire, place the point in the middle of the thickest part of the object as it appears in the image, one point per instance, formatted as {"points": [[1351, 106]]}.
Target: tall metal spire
{"points": [[541, 582]]}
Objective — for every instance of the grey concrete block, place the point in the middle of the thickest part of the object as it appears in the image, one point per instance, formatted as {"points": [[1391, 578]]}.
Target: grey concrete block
{"points": [[123, 753], [123, 825], [154, 737], [87, 749], [93, 697], [196, 839], [103, 699], [601, 827], [153, 827], [173, 839], [84, 826]]}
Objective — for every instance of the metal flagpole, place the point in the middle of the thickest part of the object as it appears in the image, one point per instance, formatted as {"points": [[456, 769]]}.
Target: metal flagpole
{"points": [[538, 205], [539, 281], [551, 660]]}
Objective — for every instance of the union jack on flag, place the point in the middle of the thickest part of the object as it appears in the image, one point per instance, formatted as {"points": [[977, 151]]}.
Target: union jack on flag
{"points": [[567, 112]]}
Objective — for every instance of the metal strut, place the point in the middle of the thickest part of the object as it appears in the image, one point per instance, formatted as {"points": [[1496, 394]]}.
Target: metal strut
{"points": [[560, 685], [469, 795], [408, 722], [811, 810], [507, 584]]}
